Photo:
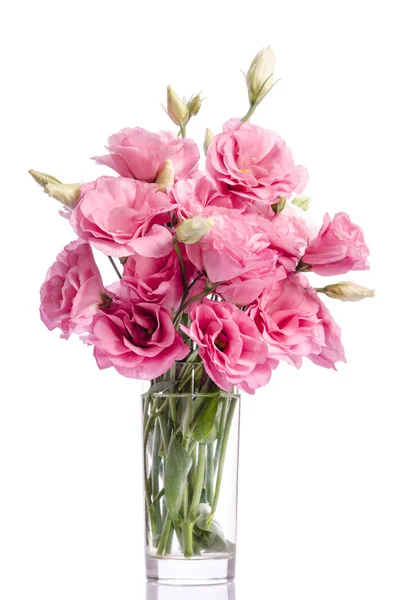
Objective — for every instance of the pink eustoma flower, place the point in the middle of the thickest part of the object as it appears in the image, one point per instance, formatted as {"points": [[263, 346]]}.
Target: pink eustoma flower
{"points": [[253, 165], [192, 196], [338, 248], [295, 323], [138, 339], [157, 280], [236, 252], [141, 154], [230, 346], [289, 235], [73, 290], [123, 217]]}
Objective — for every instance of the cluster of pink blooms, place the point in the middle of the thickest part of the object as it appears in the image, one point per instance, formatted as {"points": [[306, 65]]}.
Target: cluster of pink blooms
{"points": [[238, 295]]}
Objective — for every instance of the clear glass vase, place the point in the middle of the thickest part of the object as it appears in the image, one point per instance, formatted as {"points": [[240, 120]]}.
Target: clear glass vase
{"points": [[190, 449]]}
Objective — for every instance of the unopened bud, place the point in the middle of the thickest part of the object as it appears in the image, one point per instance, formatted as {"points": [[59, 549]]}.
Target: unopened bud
{"points": [[347, 291], [279, 206], [194, 105], [260, 76], [301, 202], [192, 230], [43, 178], [209, 136], [176, 108], [165, 176], [66, 193]]}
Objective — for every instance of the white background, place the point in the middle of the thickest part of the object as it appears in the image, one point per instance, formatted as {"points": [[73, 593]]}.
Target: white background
{"points": [[318, 495]]}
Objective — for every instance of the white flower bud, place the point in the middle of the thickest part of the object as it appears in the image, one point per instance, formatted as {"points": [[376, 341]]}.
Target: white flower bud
{"points": [[301, 202], [194, 105], [209, 136], [43, 178], [347, 291], [192, 230], [66, 193], [165, 176], [260, 75], [176, 108]]}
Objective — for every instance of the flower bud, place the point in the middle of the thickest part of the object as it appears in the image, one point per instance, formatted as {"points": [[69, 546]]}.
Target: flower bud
{"points": [[66, 193], [209, 136], [301, 202], [176, 108], [347, 291], [194, 105], [279, 206], [43, 178], [260, 75], [192, 230], [165, 176]]}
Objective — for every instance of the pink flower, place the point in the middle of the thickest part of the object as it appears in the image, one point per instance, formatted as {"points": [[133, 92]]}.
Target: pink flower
{"points": [[289, 236], [141, 154], [338, 248], [123, 217], [72, 291], [193, 196], [236, 252], [253, 165], [157, 280], [295, 323], [230, 346], [138, 339]]}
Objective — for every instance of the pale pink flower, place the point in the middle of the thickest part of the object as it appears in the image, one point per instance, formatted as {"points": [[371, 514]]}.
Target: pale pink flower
{"points": [[138, 339], [157, 280], [73, 290], [236, 252], [338, 248], [123, 217], [253, 165], [230, 346], [289, 236], [295, 323], [192, 196], [141, 154]]}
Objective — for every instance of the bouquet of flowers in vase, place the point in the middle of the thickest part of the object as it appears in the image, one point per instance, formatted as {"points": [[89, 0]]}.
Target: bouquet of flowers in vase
{"points": [[212, 292]]}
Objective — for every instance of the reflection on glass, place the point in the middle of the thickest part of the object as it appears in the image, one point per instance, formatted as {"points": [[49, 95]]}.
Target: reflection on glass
{"points": [[224, 591]]}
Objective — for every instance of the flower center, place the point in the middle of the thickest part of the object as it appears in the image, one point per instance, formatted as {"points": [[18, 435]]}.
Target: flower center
{"points": [[221, 341]]}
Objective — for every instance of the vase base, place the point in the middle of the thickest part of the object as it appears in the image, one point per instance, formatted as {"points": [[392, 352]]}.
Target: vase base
{"points": [[194, 571]]}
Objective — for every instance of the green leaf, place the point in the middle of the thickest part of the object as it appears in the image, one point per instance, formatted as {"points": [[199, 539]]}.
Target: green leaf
{"points": [[177, 469], [205, 418], [160, 387], [186, 414], [212, 436], [211, 534]]}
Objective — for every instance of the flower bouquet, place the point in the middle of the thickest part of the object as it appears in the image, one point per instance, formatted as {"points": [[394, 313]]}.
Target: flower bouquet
{"points": [[212, 292]]}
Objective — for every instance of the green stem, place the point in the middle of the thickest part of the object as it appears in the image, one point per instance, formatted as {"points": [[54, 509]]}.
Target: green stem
{"points": [[183, 268], [210, 474], [187, 538], [155, 474], [165, 434], [164, 536], [168, 549], [208, 290], [222, 456], [199, 479], [157, 498], [249, 113], [114, 267], [183, 131], [222, 431]]}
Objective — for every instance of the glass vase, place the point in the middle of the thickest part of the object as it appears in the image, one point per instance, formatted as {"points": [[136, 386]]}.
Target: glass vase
{"points": [[190, 450]]}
